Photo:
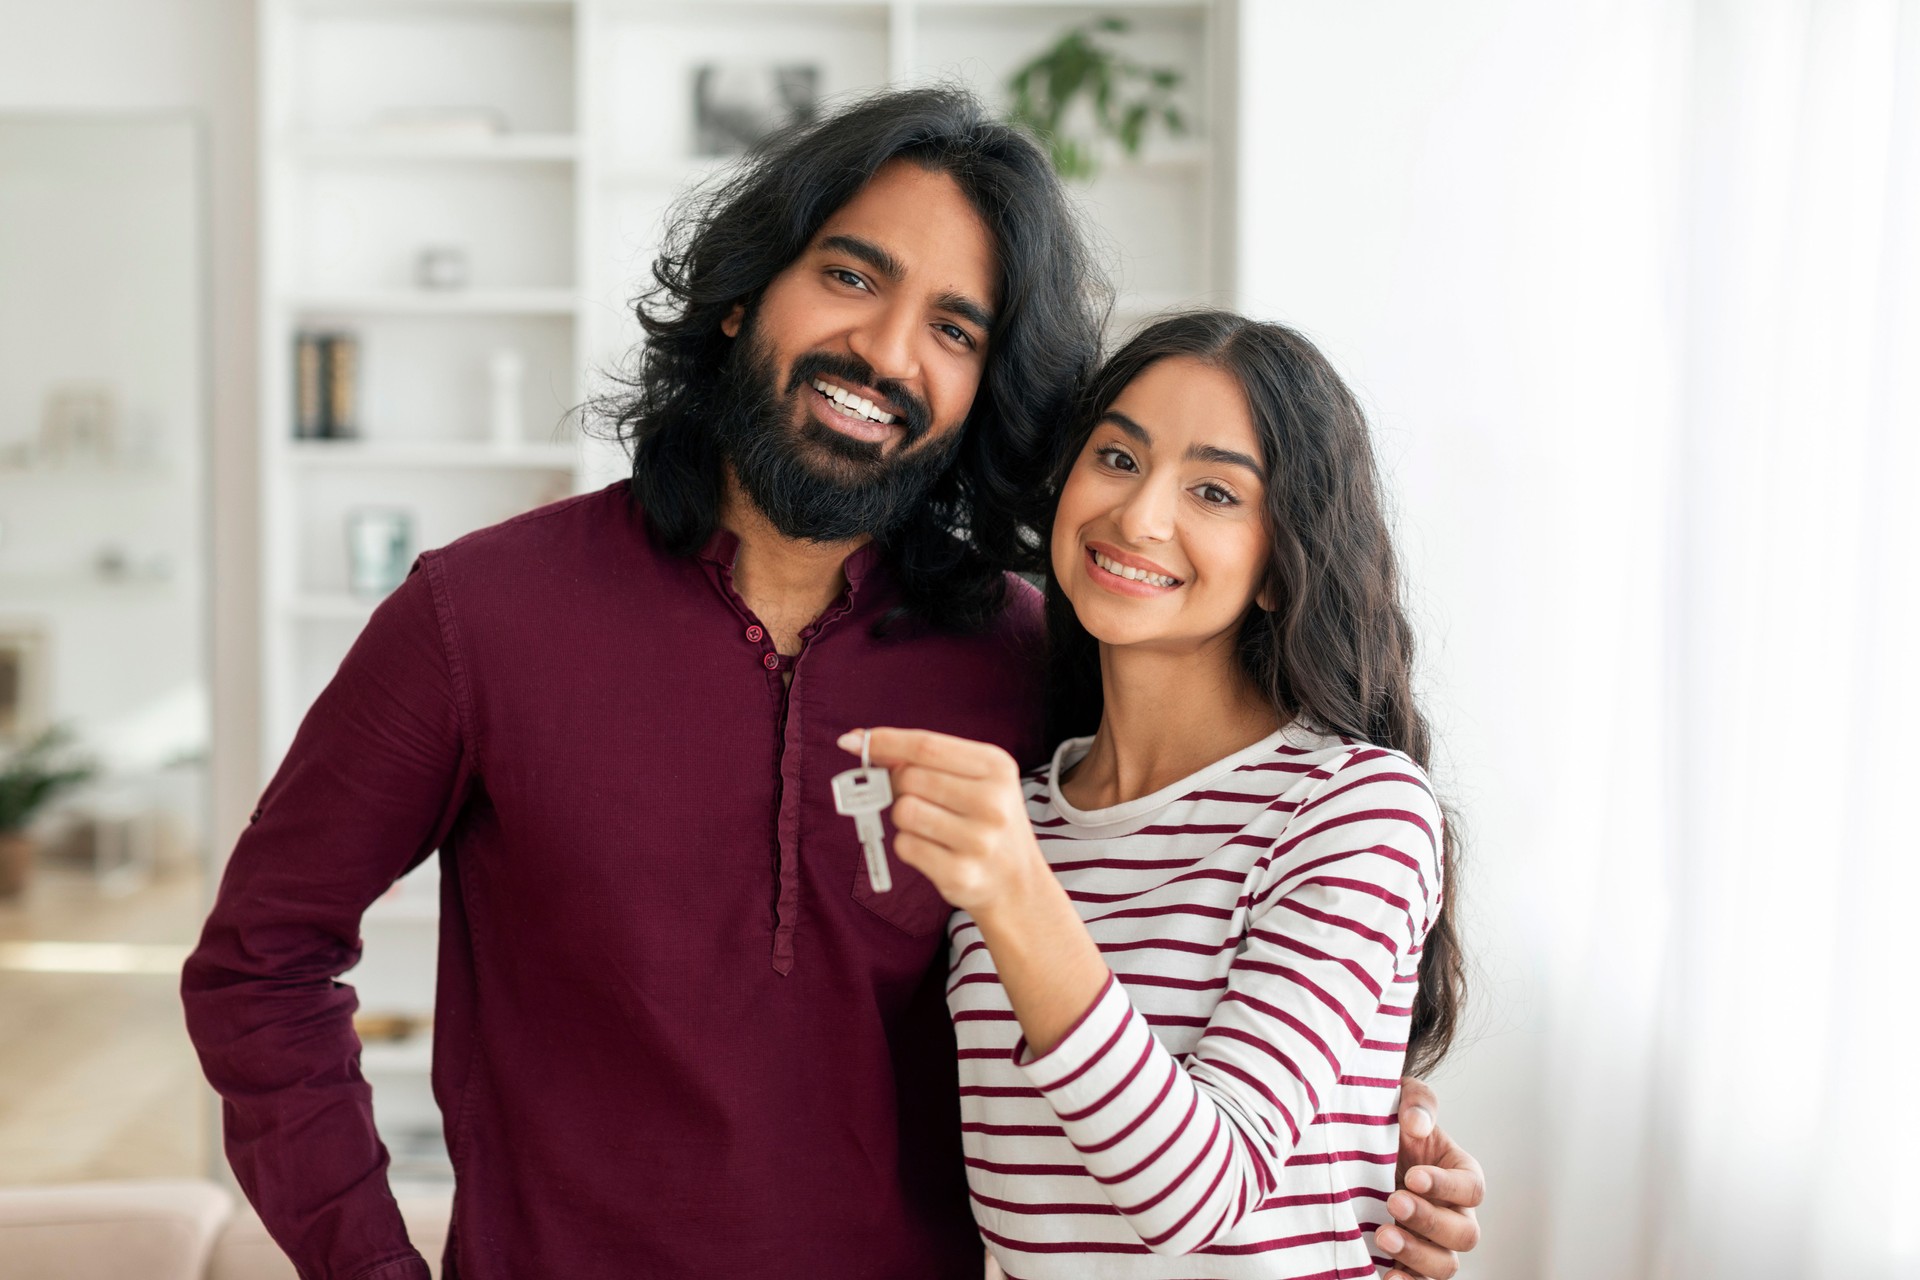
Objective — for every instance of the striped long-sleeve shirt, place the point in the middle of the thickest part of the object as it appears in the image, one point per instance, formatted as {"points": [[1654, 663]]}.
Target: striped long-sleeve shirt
{"points": [[1226, 1108]]}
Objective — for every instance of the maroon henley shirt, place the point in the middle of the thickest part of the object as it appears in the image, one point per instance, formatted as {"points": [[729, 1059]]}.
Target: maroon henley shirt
{"points": [[677, 1033]]}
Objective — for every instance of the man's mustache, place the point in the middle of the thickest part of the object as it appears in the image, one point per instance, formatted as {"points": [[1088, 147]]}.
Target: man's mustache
{"points": [[916, 418]]}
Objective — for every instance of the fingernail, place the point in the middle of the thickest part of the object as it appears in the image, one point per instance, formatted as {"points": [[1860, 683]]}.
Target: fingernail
{"points": [[1419, 1180], [1390, 1240], [1400, 1204], [849, 741]]}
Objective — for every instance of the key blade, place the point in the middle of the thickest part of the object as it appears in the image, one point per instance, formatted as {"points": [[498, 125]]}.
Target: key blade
{"points": [[879, 874]]}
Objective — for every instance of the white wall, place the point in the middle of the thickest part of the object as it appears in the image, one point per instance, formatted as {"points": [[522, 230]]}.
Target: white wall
{"points": [[1466, 205], [194, 56]]}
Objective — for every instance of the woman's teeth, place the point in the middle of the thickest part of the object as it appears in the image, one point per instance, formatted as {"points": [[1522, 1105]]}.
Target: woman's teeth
{"points": [[1138, 575], [858, 406]]}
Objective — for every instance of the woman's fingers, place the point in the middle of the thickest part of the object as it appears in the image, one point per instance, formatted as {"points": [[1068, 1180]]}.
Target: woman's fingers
{"points": [[1463, 1186], [894, 747], [1446, 1228], [1415, 1255], [963, 795], [919, 816]]}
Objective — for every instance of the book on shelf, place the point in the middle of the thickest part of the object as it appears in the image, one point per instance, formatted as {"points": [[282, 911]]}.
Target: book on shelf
{"points": [[326, 386]]}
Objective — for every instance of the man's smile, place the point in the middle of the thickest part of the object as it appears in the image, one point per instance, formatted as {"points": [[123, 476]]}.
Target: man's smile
{"points": [[851, 413]]}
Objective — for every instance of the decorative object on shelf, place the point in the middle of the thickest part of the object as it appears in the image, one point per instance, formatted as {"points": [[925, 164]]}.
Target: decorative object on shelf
{"points": [[439, 124], [735, 107], [376, 1027], [379, 549], [326, 386], [32, 777], [442, 267], [24, 683], [80, 424], [506, 376], [1082, 90]]}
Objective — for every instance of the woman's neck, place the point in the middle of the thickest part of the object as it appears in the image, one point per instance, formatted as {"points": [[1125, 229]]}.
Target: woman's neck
{"points": [[1167, 715]]}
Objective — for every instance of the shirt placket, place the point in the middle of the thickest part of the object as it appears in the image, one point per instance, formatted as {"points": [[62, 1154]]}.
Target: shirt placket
{"points": [[783, 676]]}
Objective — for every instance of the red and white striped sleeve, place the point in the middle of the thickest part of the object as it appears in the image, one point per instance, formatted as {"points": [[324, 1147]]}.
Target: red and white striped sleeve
{"points": [[1340, 906]]}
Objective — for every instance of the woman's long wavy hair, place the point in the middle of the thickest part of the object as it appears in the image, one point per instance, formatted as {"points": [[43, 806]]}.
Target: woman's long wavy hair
{"points": [[724, 245], [1337, 651]]}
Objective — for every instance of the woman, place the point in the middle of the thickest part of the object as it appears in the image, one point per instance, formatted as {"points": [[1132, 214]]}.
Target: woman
{"points": [[1193, 955]]}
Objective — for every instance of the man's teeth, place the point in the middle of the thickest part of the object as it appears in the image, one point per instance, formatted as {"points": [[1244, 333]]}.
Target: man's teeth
{"points": [[859, 406], [1138, 575]]}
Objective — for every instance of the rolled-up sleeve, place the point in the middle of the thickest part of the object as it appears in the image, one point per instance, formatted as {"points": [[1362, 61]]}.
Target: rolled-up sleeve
{"points": [[372, 785]]}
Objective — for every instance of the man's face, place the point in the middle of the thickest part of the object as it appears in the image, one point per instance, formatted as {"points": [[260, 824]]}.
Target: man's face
{"points": [[858, 366]]}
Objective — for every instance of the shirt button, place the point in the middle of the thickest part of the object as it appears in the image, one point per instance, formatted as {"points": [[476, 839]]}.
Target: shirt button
{"points": [[771, 661], [755, 634]]}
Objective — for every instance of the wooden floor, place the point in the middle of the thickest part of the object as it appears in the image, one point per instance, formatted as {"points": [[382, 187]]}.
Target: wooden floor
{"points": [[97, 1079]]}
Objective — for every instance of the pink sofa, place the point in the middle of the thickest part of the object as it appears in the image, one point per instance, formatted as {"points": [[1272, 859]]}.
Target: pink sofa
{"points": [[184, 1229]]}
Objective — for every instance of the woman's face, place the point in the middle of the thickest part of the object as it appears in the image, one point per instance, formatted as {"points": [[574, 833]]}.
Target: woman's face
{"points": [[1160, 538]]}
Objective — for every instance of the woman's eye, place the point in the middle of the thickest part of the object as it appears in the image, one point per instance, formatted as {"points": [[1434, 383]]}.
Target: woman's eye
{"points": [[1116, 458], [1214, 495]]}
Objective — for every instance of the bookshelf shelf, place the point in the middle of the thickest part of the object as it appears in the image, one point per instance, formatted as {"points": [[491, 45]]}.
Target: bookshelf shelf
{"points": [[374, 148], [464, 302], [453, 455], [326, 607], [412, 1056]]}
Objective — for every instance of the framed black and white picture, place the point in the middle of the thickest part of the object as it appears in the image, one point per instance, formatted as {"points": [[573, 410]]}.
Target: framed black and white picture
{"points": [[736, 106]]}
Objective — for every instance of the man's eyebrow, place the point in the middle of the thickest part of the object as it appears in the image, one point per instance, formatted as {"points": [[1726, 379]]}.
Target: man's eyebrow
{"points": [[868, 252], [967, 309], [890, 267], [1196, 453]]}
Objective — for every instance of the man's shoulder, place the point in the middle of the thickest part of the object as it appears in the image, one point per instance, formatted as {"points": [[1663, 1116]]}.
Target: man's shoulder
{"points": [[1023, 621], [543, 526]]}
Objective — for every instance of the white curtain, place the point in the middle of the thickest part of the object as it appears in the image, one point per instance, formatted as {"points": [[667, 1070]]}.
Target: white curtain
{"points": [[1632, 288], [1734, 1016]]}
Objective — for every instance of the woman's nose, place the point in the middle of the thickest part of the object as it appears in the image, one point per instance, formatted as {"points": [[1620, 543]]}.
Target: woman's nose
{"points": [[1147, 514]]}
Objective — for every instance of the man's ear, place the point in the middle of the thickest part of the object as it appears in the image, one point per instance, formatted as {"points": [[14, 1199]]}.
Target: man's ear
{"points": [[731, 325]]}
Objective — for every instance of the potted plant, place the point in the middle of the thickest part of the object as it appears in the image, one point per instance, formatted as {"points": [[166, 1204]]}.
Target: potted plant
{"points": [[1084, 80], [29, 779]]}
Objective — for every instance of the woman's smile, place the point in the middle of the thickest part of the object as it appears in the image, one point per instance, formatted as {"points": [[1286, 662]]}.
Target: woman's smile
{"points": [[1127, 575]]}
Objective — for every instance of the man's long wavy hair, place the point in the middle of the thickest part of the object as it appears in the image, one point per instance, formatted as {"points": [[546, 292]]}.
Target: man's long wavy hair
{"points": [[724, 245], [1337, 651]]}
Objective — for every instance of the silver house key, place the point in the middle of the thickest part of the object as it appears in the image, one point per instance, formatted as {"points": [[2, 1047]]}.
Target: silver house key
{"points": [[863, 794]]}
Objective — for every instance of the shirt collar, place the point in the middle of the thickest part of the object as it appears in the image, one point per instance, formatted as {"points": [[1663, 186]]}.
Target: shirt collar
{"points": [[724, 545]]}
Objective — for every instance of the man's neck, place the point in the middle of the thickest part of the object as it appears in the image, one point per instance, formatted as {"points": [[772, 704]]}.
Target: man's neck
{"points": [[787, 582]]}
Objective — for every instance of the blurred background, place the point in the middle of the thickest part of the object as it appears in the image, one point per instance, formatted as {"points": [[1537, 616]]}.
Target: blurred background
{"points": [[291, 290]]}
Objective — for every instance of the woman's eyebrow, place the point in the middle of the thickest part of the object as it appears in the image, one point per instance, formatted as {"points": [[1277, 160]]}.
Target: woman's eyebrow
{"points": [[1224, 457], [1195, 453], [1129, 426]]}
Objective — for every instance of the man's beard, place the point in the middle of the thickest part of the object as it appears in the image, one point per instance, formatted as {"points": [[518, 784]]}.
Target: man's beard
{"points": [[855, 490]]}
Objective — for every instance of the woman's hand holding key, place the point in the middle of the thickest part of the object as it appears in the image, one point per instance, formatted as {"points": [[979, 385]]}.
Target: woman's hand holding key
{"points": [[960, 819], [960, 814]]}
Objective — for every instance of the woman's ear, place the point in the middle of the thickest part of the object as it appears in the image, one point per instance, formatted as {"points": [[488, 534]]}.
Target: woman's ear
{"points": [[731, 325], [1268, 599]]}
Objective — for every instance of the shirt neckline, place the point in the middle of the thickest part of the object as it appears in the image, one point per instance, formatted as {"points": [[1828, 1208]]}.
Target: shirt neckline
{"points": [[724, 545], [1070, 752]]}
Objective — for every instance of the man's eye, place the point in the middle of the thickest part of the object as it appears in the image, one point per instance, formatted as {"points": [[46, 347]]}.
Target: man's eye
{"points": [[958, 334], [846, 277]]}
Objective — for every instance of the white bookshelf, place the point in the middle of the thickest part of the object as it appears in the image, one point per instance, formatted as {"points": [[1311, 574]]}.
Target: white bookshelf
{"points": [[560, 213]]}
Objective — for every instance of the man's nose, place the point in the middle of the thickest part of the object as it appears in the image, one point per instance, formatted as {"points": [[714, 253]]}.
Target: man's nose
{"points": [[885, 340]]}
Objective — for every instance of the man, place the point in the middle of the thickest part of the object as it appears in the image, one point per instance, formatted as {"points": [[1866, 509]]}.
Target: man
{"points": [[678, 1031]]}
